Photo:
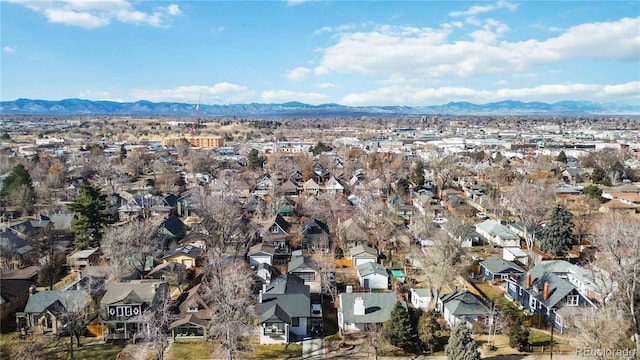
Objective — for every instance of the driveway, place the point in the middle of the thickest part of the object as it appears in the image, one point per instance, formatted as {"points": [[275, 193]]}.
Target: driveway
{"points": [[313, 349]]}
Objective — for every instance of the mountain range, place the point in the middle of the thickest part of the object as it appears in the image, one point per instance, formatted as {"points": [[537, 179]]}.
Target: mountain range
{"points": [[297, 109]]}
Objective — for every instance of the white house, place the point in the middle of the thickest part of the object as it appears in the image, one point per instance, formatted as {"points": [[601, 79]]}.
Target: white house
{"points": [[497, 234], [373, 276], [261, 253], [420, 298], [333, 186], [515, 254], [462, 306], [356, 310], [361, 254]]}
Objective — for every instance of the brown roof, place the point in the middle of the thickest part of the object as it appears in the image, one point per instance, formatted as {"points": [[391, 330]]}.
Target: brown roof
{"points": [[629, 196]]}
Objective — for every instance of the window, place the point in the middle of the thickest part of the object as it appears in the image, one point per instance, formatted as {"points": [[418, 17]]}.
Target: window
{"points": [[127, 311], [274, 328], [295, 321], [533, 303], [274, 229], [306, 276], [192, 308], [572, 300], [119, 311]]}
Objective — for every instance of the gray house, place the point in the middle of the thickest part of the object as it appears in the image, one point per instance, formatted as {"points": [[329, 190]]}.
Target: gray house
{"points": [[463, 306], [496, 268], [356, 310], [284, 309]]}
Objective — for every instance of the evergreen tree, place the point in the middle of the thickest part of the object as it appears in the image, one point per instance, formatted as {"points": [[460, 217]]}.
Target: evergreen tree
{"points": [[91, 218], [123, 152], [18, 186], [397, 329], [461, 346], [518, 335], [402, 186], [562, 157], [427, 328], [320, 148], [254, 161], [418, 174], [598, 176], [558, 234], [593, 191]]}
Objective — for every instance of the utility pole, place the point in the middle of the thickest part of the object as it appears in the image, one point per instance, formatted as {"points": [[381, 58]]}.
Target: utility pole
{"points": [[551, 350]]}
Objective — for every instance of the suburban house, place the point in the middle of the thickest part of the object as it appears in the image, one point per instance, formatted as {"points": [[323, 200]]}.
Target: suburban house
{"points": [[48, 311], [515, 254], [357, 310], [261, 253], [14, 251], [13, 297], [373, 276], [361, 254], [193, 316], [83, 258], [264, 273], [352, 233], [276, 234], [541, 292], [496, 268], [462, 306], [287, 188], [421, 298], [304, 268], [311, 187], [315, 235], [594, 283], [333, 186], [186, 255], [284, 309], [174, 273], [123, 304], [497, 234], [172, 228]]}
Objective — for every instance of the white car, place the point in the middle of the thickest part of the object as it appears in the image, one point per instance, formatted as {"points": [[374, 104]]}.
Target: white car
{"points": [[481, 216], [440, 221], [316, 310]]}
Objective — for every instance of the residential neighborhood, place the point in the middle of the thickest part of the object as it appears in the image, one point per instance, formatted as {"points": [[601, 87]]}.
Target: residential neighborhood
{"points": [[385, 240]]}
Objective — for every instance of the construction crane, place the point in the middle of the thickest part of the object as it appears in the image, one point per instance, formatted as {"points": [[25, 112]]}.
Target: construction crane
{"points": [[194, 122]]}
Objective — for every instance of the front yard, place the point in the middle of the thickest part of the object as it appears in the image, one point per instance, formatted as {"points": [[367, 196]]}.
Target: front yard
{"points": [[491, 293], [53, 348]]}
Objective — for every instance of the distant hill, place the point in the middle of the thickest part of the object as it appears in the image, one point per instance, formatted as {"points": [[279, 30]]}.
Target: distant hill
{"points": [[507, 107]]}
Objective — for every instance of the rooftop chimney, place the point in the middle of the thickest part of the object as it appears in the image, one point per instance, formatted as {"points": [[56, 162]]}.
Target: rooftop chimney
{"points": [[358, 306], [545, 293], [528, 283]]}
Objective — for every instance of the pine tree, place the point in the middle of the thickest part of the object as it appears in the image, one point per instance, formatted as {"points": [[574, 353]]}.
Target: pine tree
{"points": [[427, 328], [90, 218], [518, 335], [558, 234], [461, 346], [418, 174], [397, 329], [254, 161], [562, 157], [17, 188]]}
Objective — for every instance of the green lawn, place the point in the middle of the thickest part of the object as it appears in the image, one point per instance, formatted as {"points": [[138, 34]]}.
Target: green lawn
{"points": [[537, 338]]}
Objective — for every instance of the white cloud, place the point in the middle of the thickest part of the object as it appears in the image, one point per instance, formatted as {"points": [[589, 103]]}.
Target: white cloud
{"points": [[99, 13], [96, 95], [479, 9], [326, 85], [416, 96], [427, 54], [295, 2], [8, 49], [217, 30], [280, 96], [220, 92], [298, 74]]}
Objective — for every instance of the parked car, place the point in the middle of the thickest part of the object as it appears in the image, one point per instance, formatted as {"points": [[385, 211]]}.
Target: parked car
{"points": [[440, 221], [481, 216], [316, 310]]}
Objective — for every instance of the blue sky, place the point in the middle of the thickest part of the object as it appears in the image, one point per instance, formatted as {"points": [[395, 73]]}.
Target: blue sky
{"points": [[347, 52]]}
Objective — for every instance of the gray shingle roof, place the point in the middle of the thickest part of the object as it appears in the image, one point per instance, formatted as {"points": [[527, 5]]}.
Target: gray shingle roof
{"points": [[300, 262], [377, 307], [497, 265], [286, 298], [144, 290], [463, 303], [70, 300], [364, 251], [370, 268], [494, 228], [559, 288]]}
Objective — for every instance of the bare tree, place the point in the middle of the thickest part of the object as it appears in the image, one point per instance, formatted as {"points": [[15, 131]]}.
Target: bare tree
{"points": [[498, 321], [227, 290], [531, 200], [597, 328], [443, 168], [128, 247], [374, 212], [158, 319], [618, 243], [373, 338], [109, 174], [324, 263]]}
